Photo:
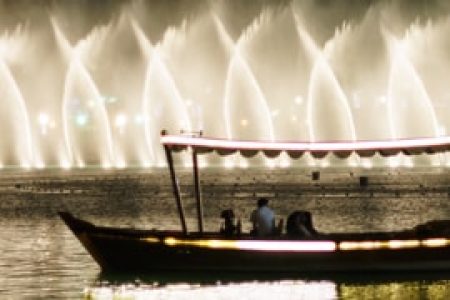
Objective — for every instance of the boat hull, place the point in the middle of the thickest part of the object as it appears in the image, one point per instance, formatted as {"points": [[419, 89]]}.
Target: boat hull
{"points": [[153, 251]]}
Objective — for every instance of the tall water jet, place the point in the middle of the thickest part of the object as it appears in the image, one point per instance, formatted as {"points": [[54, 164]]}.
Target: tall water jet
{"points": [[411, 112], [14, 116], [326, 100], [162, 101], [83, 109], [247, 115], [15, 123]]}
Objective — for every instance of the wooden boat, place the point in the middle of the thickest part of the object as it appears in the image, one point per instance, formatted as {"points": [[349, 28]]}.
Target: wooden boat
{"points": [[425, 247]]}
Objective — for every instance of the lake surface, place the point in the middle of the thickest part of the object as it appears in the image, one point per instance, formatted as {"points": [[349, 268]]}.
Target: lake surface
{"points": [[40, 258]]}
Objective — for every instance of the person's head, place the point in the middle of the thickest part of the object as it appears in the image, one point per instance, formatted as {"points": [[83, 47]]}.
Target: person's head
{"points": [[262, 202]]}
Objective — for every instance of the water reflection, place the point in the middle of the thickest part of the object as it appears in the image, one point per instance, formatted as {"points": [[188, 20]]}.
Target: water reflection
{"points": [[245, 290], [271, 289], [397, 290]]}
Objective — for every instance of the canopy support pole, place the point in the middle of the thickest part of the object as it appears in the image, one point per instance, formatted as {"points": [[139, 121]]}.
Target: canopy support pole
{"points": [[198, 195], [176, 188]]}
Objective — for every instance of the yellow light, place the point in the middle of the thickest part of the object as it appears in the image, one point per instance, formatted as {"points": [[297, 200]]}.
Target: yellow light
{"points": [[397, 244], [436, 242], [391, 244], [255, 245], [151, 239], [365, 245], [226, 244]]}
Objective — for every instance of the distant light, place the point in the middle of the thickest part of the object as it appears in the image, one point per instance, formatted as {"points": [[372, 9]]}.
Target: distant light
{"points": [[25, 165], [43, 121], [146, 164], [81, 164], [366, 163], [436, 162], [294, 119], [275, 112], [408, 162], [312, 163], [244, 122], [81, 119], [228, 164], [270, 163], [394, 162], [352, 163], [188, 102], [121, 164], [121, 121], [139, 119], [285, 163], [106, 165], [40, 165], [65, 164], [298, 100], [243, 164], [325, 163], [382, 99]]}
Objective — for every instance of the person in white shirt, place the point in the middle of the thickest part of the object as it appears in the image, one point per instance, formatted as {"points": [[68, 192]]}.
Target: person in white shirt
{"points": [[263, 219]]}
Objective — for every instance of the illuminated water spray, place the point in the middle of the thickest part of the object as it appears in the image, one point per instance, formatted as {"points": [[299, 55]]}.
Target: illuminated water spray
{"points": [[161, 100], [246, 111], [410, 110], [193, 70], [326, 99], [87, 130], [14, 110]]}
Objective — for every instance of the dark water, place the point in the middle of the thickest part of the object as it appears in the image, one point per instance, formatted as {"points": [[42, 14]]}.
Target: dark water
{"points": [[39, 258]]}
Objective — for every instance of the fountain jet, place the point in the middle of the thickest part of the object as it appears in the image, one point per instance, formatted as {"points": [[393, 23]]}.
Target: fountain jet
{"points": [[83, 109]]}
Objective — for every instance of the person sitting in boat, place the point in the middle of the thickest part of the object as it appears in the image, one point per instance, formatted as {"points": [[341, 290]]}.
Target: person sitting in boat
{"points": [[299, 224], [229, 227], [263, 219]]}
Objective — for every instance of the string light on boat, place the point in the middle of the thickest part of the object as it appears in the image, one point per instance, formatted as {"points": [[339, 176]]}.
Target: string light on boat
{"points": [[151, 239], [393, 244], [432, 243], [255, 245], [300, 246]]}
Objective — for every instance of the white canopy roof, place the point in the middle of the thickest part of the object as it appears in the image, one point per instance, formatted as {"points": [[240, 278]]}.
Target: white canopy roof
{"points": [[295, 149]]}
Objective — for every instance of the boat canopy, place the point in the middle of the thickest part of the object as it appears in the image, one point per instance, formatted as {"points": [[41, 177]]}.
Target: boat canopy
{"points": [[271, 149], [295, 149]]}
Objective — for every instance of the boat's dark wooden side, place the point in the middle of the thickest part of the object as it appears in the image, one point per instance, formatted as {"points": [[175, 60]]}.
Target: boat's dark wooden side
{"points": [[117, 249]]}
